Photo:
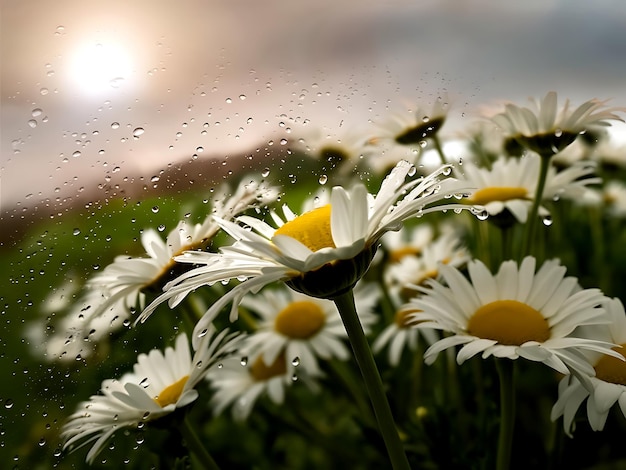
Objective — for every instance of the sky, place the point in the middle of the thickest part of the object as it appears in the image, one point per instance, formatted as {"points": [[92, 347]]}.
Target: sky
{"points": [[95, 89]]}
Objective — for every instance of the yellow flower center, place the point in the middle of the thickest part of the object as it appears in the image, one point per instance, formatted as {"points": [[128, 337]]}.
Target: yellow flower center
{"points": [[170, 394], [497, 193], [261, 372], [611, 369], [300, 320], [312, 229], [508, 322], [396, 255], [404, 318]]}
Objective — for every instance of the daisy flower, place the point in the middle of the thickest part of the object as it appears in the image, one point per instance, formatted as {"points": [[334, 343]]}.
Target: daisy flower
{"points": [[322, 253], [303, 328], [412, 271], [400, 335], [122, 285], [408, 242], [161, 382], [511, 184], [546, 129], [516, 313], [606, 386], [241, 383], [338, 150], [614, 196], [415, 127]]}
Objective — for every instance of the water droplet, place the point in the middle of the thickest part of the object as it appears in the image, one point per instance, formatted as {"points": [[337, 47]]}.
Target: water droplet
{"points": [[36, 112], [283, 141], [44, 91], [32, 123], [161, 227], [558, 133], [242, 97], [422, 143], [8, 404], [244, 361], [154, 179], [138, 131], [482, 214], [200, 149], [76, 231], [203, 333], [265, 173], [145, 383], [446, 171], [323, 179], [295, 361], [547, 220], [155, 209], [115, 125], [294, 378], [76, 154], [229, 100]]}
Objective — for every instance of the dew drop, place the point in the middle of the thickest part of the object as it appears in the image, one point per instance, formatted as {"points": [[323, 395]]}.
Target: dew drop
{"points": [[145, 383], [423, 143], [323, 179], [295, 361], [446, 171], [8, 404], [547, 220], [265, 173], [76, 154], [155, 209], [76, 231], [115, 125], [161, 227], [138, 131], [244, 361], [32, 123], [44, 91], [242, 97]]}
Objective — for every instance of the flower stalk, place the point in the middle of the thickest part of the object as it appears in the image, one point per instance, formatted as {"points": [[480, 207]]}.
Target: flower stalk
{"points": [[506, 374], [373, 383]]}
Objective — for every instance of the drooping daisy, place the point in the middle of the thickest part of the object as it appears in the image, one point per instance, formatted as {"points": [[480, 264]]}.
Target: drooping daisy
{"points": [[322, 253], [414, 127], [303, 327], [120, 287], [516, 313], [340, 151], [511, 184], [546, 129], [608, 384], [241, 383], [160, 383]]}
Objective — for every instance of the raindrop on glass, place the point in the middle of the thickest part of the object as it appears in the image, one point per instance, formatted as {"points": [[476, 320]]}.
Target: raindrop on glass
{"points": [[138, 131]]}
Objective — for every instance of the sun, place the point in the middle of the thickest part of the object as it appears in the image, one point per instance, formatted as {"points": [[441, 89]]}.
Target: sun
{"points": [[99, 67]]}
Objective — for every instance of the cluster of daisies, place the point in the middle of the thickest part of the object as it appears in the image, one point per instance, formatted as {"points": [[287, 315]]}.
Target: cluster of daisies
{"points": [[412, 253]]}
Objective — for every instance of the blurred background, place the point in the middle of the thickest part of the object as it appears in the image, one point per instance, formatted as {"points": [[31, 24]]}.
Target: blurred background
{"points": [[113, 99]]}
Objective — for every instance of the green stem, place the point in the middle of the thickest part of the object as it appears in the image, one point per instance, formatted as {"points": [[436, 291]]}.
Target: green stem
{"points": [[194, 444], [506, 373], [531, 223], [439, 149], [371, 377]]}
